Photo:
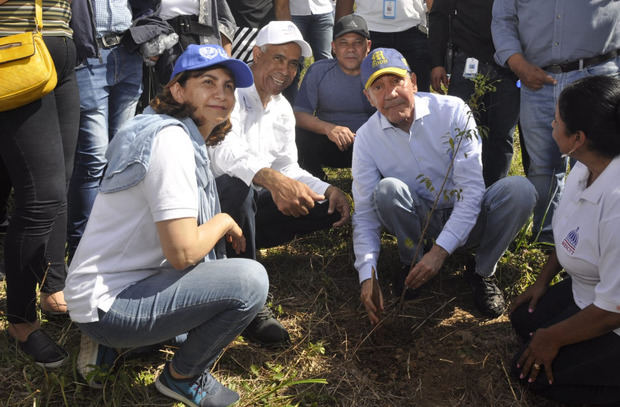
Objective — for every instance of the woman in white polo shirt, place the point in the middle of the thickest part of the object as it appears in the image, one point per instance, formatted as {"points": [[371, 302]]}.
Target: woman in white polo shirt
{"points": [[571, 330]]}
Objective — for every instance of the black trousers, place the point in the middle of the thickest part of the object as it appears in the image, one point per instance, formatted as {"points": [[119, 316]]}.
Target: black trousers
{"points": [[585, 372], [498, 113], [414, 46], [263, 225], [37, 146], [316, 150], [5, 190]]}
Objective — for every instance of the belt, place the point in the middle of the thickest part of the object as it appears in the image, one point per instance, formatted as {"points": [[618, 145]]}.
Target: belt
{"points": [[581, 63], [109, 40]]}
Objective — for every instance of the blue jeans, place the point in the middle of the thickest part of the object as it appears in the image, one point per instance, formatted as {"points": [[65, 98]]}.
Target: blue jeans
{"points": [[498, 113], [317, 29], [213, 303], [506, 206], [414, 46], [109, 91], [547, 169]]}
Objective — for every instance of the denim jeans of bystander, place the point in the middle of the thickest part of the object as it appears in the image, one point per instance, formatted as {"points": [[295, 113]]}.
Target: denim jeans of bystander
{"points": [[547, 168], [110, 87]]}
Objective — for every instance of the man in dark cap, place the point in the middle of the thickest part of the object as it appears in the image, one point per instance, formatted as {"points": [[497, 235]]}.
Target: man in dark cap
{"points": [[330, 106]]}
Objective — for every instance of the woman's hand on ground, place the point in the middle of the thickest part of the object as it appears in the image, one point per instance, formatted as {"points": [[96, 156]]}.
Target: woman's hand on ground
{"points": [[531, 295]]}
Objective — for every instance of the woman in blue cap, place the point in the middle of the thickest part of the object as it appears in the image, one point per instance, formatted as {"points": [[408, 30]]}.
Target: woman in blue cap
{"points": [[147, 268]]}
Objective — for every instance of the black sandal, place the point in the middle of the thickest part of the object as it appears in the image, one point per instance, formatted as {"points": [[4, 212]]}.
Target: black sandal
{"points": [[45, 352]]}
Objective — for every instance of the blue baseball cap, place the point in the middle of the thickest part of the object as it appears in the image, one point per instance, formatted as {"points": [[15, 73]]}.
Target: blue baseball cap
{"points": [[383, 61], [203, 56]]}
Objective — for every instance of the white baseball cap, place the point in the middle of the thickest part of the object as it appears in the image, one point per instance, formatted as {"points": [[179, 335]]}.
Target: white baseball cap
{"points": [[281, 32]]}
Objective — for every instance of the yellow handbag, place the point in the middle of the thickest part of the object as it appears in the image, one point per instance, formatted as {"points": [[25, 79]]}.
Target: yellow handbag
{"points": [[27, 71]]}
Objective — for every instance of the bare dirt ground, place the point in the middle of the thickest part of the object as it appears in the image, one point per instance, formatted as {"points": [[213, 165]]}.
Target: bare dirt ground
{"points": [[438, 351]]}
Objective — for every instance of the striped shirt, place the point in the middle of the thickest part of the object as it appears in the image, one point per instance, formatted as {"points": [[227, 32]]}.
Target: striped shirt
{"points": [[17, 16]]}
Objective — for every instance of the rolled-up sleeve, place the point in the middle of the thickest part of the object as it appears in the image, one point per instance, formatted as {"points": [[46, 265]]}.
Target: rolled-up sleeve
{"points": [[505, 30]]}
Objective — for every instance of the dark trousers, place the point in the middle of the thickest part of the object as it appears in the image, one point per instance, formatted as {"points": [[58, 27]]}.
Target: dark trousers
{"points": [[498, 113], [585, 372], [414, 46], [263, 225], [37, 146], [316, 150], [5, 190]]}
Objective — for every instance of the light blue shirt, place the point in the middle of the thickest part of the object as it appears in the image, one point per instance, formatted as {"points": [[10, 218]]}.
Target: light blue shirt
{"points": [[382, 150], [112, 16], [555, 31]]}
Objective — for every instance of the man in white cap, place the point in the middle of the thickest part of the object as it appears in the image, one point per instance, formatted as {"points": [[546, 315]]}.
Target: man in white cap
{"points": [[259, 181]]}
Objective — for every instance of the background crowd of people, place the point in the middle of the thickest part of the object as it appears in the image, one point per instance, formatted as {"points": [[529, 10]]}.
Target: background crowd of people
{"points": [[106, 196]]}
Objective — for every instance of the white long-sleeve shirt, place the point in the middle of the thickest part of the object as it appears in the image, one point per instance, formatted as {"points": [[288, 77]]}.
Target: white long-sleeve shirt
{"points": [[261, 138], [382, 150]]}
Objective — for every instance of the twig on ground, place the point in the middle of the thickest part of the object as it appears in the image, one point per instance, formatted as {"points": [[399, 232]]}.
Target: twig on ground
{"points": [[442, 306], [508, 380]]}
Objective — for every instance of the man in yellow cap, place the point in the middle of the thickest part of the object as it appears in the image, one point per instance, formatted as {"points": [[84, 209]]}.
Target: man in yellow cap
{"points": [[422, 136]]}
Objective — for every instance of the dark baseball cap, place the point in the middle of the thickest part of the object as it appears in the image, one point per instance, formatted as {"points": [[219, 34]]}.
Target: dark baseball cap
{"points": [[351, 23]]}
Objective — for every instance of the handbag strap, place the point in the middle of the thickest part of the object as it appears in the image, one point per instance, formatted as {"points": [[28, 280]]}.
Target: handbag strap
{"points": [[38, 15]]}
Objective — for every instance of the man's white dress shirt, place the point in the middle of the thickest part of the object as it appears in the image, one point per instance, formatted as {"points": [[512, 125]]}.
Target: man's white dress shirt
{"points": [[261, 138]]}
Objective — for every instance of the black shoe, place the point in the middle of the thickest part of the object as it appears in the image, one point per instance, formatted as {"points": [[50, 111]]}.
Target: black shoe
{"points": [[398, 283], [488, 297], [267, 331], [45, 352]]}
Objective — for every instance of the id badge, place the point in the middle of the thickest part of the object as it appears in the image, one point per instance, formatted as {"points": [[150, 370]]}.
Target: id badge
{"points": [[389, 9], [471, 68]]}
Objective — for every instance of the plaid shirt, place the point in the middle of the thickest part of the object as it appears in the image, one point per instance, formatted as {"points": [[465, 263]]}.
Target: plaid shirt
{"points": [[112, 16]]}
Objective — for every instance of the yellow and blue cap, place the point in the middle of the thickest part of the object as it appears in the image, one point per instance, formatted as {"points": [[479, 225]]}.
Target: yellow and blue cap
{"points": [[203, 56], [383, 61]]}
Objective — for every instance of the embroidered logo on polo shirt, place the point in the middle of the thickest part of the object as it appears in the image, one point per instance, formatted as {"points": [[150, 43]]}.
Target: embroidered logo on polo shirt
{"points": [[571, 240]]}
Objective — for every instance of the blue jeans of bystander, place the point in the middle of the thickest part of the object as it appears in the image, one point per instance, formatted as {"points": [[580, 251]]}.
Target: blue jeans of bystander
{"points": [[317, 29], [547, 169], [110, 87]]}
